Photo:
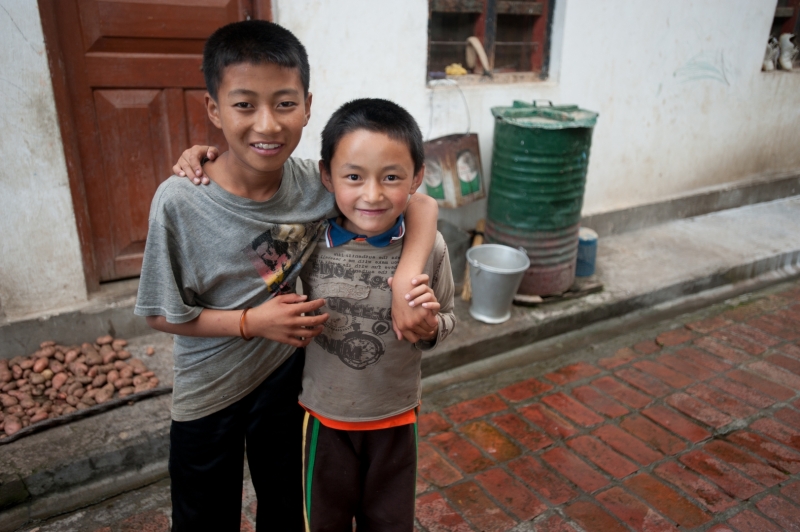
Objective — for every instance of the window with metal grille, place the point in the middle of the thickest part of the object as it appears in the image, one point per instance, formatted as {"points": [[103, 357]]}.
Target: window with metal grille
{"points": [[514, 34]]}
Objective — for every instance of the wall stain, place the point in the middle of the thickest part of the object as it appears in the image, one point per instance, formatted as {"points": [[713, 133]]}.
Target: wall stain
{"points": [[705, 65]]}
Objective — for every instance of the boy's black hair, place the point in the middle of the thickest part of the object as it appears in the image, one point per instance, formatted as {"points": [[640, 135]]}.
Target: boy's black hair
{"points": [[379, 116], [256, 42]]}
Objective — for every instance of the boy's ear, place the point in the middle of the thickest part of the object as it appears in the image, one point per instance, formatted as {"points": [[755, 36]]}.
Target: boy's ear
{"points": [[417, 181], [213, 111], [325, 177], [308, 109]]}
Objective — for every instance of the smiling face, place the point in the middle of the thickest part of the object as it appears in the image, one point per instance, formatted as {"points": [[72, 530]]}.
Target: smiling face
{"points": [[262, 110], [371, 176]]}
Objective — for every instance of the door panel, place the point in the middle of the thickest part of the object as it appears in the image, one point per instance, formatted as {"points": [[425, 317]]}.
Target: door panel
{"points": [[134, 127], [134, 102], [107, 20], [152, 70], [201, 130]]}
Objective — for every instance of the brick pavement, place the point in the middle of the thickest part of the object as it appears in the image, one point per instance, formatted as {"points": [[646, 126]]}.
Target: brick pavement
{"points": [[696, 428]]}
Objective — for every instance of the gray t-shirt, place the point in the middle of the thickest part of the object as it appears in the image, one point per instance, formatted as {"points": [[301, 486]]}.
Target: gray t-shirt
{"points": [[356, 369], [208, 248]]}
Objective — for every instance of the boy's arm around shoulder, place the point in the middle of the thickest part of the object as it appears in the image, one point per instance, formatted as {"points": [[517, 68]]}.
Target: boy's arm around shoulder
{"points": [[444, 290], [421, 214]]}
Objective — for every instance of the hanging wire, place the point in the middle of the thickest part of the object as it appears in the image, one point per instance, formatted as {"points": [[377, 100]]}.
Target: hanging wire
{"points": [[435, 83]]}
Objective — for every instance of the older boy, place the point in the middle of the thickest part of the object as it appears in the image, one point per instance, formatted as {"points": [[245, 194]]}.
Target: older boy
{"points": [[361, 385], [213, 253]]}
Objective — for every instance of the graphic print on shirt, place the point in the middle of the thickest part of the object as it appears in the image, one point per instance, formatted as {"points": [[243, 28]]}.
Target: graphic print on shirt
{"points": [[278, 254], [358, 300]]}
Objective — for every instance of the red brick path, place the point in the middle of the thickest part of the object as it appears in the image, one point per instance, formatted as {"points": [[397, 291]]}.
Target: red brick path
{"points": [[695, 429], [698, 428]]}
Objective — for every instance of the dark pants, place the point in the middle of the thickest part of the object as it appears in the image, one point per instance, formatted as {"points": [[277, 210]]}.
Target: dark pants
{"points": [[366, 474], [206, 459]]}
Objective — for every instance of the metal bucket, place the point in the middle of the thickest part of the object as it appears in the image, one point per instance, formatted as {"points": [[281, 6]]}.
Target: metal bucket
{"points": [[495, 272], [539, 165]]}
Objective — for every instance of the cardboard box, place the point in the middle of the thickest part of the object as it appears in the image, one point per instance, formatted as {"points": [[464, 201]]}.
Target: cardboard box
{"points": [[453, 171]]}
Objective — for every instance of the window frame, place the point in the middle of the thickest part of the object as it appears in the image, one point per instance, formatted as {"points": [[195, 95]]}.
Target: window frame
{"points": [[786, 17], [486, 30]]}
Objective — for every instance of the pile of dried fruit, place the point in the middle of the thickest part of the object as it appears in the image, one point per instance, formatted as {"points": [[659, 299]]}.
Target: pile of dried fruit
{"points": [[57, 380]]}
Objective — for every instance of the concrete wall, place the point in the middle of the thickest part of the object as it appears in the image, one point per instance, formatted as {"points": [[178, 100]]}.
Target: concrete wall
{"points": [[40, 260], [683, 104]]}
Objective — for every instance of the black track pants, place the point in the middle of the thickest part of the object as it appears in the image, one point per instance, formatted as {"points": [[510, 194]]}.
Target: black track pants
{"points": [[206, 459], [368, 475]]}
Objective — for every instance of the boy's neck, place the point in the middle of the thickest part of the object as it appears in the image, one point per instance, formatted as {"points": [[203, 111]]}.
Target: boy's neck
{"points": [[239, 180], [350, 226]]}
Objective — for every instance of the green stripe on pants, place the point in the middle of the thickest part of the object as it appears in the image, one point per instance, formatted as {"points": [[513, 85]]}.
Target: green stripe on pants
{"points": [[312, 453]]}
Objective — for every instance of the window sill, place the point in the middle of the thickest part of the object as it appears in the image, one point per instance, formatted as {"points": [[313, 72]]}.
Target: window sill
{"points": [[779, 72], [498, 78]]}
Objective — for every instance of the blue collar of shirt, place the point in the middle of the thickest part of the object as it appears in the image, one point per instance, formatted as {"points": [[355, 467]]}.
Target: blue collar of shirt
{"points": [[336, 235]]}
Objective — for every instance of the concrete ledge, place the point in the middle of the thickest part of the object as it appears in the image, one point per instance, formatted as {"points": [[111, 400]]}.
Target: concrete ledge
{"points": [[642, 269], [704, 202], [587, 336], [70, 466], [97, 319], [521, 331]]}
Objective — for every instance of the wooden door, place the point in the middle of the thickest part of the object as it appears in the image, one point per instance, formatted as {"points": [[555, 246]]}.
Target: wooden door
{"points": [[129, 92]]}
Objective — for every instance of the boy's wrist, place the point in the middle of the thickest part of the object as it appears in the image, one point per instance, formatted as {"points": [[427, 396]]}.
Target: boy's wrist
{"points": [[426, 343], [242, 332], [400, 279], [432, 336]]}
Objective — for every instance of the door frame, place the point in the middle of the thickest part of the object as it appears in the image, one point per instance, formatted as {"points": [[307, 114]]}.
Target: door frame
{"points": [[67, 125]]}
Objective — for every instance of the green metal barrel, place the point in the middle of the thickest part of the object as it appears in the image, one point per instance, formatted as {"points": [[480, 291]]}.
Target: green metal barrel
{"points": [[539, 167]]}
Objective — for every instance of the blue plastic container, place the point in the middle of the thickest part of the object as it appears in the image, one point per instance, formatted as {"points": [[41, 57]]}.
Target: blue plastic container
{"points": [[587, 252]]}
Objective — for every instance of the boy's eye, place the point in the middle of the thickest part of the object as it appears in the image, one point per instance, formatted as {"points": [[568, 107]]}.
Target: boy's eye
{"points": [[242, 105], [287, 104], [352, 177], [392, 177]]}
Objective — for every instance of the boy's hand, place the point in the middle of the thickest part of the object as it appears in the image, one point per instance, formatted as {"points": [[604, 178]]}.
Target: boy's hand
{"points": [[190, 163], [410, 311], [423, 296], [281, 319], [432, 326]]}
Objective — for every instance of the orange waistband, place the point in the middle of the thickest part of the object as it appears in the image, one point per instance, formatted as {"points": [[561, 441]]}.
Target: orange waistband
{"points": [[404, 418]]}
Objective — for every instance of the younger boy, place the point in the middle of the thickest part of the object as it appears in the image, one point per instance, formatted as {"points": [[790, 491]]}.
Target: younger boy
{"points": [[361, 385], [214, 252]]}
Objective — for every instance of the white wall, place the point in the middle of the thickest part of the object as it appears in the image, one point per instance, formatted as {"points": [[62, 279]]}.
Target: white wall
{"points": [[683, 104], [40, 260]]}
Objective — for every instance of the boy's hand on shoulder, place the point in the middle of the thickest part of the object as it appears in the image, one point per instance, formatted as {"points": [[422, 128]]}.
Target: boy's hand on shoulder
{"points": [[281, 319], [191, 163], [414, 310]]}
